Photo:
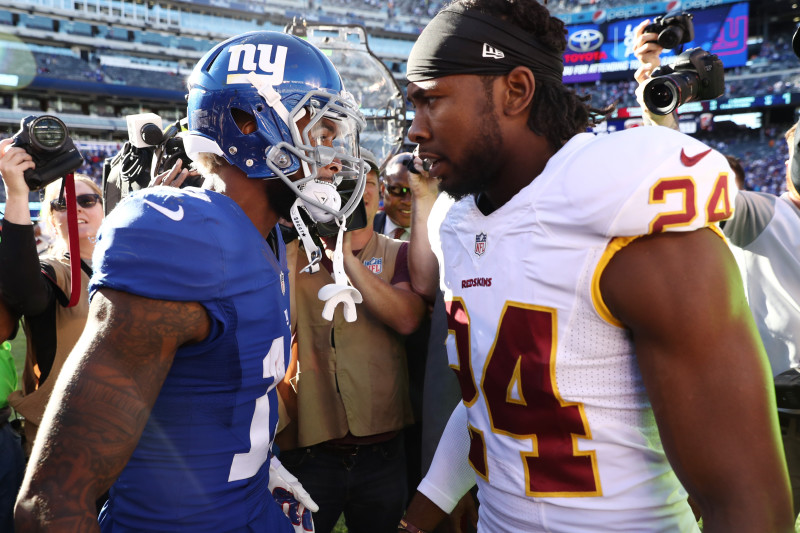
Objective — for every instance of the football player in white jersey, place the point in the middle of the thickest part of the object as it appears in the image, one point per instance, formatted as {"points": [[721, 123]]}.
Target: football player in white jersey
{"points": [[608, 361]]}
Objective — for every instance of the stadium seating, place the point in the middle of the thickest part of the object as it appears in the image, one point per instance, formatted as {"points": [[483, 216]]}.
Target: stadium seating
{"points": [[142, 52]]}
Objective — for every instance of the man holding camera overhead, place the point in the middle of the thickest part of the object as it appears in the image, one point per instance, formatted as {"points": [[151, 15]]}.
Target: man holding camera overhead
{"points": [[169, 397], [607, 359]]}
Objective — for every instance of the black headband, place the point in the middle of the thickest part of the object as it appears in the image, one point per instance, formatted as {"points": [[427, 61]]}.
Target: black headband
{"points": [[466, 41]]}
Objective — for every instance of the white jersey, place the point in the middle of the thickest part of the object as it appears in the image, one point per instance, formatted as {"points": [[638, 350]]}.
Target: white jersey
{"points": [[766, 235], [563, 437]]}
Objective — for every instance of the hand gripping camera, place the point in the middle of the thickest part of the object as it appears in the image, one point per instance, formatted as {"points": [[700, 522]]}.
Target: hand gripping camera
{"points": [[47, 141], [696, 75], [148, 152], [672, 30]]}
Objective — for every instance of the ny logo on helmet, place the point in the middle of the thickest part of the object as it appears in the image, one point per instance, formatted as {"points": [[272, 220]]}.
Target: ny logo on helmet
{"points": [[243, 61]]}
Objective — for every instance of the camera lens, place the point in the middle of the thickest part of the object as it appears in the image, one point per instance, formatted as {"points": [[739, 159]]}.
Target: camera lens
{"points": [[48, 133], [670, 37], [661, 96], [152, 134]]}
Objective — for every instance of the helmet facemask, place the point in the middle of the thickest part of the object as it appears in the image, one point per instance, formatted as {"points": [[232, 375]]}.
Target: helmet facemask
{"points": [[325, 130], [303, 125]]}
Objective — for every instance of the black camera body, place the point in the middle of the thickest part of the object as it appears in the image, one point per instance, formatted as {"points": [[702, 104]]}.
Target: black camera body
{"points": [[672, 30], [696, 75], [46, 139], [172, 151], [148, 152], [426, 165]]}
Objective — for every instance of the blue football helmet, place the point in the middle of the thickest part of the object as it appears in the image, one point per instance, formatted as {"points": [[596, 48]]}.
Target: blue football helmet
{"points": [[278, 79]]}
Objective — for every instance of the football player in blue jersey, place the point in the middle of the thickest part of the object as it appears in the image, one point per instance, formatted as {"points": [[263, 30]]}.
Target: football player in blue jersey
{"points": [[169, 397]]}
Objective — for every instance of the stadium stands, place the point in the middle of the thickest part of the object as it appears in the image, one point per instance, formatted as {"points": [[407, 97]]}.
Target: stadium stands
{"points": [[97, 60]]}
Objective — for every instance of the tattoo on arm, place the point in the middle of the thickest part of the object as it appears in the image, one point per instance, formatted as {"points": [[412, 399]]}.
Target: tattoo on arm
{"points": [[103, 399]]}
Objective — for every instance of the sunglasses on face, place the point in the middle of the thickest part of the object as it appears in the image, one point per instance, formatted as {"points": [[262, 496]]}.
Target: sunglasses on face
{"points": [[84, 200], [398, 190]]}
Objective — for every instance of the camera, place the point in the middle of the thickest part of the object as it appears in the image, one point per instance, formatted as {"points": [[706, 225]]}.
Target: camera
{"points": [[148, 152], [146, 133], [47, 141], [144, 129], [695, 75], [426, 165], [170, 150], [672, 30]]}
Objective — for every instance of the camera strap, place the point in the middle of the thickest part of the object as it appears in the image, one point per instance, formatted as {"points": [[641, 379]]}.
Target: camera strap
{"points": [[70, 199]]}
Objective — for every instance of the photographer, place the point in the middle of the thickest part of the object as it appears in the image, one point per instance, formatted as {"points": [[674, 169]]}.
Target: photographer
{"points": [[648, 52], [39, 289]]}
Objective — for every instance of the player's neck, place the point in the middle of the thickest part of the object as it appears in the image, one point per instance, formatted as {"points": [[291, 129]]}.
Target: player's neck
{"points": [[521, 164], [251, 196]]}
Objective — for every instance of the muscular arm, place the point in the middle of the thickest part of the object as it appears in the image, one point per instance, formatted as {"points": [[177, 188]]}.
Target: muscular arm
{"points": [[100, 405], [706, 374]]}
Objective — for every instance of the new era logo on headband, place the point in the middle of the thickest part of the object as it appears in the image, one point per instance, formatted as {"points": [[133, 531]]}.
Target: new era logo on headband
{"points": [[491, 52]]}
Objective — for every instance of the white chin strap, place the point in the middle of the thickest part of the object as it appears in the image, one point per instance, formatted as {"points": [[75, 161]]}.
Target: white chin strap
{"points": [[340, 291], [313, 251]]}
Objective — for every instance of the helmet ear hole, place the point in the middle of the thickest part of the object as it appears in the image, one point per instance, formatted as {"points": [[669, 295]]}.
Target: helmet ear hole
{"points": [[245, 121]]}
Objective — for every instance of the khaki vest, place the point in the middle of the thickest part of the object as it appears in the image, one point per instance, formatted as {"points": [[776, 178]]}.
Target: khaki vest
{"points": [[70, 321], [361, 385]]}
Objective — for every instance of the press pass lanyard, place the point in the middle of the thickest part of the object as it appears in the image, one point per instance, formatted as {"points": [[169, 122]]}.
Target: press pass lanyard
{"points": [[68, 191]]}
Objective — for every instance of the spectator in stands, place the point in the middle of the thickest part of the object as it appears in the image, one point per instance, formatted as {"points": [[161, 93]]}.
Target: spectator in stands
{"points": [[764, 232], [352, 391], [93, 159], [40, 289], [395, 218]]}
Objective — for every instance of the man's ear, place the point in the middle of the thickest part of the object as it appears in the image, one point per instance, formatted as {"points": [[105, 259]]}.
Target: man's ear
{"points": [[519, 85]]}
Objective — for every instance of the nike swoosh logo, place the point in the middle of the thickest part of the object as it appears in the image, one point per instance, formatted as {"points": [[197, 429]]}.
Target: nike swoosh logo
{"points": [[693, 160], [174, 215]]}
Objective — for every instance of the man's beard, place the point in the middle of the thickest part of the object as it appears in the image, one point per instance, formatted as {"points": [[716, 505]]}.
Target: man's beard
{"points": [[281, 197], [480, 167]]}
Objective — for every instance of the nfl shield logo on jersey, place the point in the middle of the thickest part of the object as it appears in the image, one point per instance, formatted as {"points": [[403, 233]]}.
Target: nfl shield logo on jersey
{"points": [[375, 265], [480, 243]]}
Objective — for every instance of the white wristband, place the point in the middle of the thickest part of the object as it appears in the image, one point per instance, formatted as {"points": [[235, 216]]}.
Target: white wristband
{"points": [[450, 475]]}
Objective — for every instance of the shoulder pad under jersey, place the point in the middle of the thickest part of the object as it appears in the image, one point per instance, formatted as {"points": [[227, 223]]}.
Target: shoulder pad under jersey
{"points": [[641, 181], [164, 243]]}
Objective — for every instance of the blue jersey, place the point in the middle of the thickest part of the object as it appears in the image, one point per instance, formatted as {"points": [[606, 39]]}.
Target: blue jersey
{"points": [[202, 461]]}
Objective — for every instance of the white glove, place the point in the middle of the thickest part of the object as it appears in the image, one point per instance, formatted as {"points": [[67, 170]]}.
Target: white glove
{"points": [[295, 502]]}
